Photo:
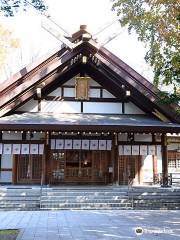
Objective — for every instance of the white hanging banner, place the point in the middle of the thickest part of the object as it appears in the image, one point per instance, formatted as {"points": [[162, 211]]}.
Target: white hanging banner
{"points": [[1, 148], [53, 144], [34, 149], [77, 144], [102, 144], [85, 144], [158, 150], [135, 149], [120, 150], [41, 149], [68, 144], [7, 149], [152, 150], [16, 149], [59, 143], [143, 150], [108, 145], [25, 149], [94, 144], [127, 149]]}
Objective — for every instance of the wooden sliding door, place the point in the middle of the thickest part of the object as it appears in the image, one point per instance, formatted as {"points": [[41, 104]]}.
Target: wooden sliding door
{"points": [[29, 169], [129, 169], [79, 166]]}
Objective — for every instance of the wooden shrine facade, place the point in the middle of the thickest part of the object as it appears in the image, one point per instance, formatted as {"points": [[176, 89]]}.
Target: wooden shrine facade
{"points": [[83, 116]]}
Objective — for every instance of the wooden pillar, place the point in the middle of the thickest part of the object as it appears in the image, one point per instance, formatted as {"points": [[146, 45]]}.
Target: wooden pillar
{"points": [[155, 171], [164, 161], [115, 158], [46, 160], [14, 169]]}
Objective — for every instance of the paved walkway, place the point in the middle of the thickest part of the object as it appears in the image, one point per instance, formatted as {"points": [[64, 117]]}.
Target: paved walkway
{"points": [[92, 225]]}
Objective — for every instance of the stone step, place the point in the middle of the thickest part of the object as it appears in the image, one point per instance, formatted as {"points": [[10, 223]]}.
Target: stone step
{"points": [[82, 197], [19, 193], [83, 194], [150, 197], [84, 201], [156, 206], [20, 205], [157, 201], [19, 198], [86, 206]]}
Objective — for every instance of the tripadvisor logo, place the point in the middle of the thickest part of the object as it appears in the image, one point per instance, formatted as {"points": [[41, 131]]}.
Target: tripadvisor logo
{"points": [[138, 230]]}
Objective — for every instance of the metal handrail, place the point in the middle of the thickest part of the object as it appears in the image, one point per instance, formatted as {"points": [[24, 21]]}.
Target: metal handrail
{"points": [[130, 187], [41, 189]]}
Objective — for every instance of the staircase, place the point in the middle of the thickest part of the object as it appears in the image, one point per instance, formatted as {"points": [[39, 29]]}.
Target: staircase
{"points": [[19, 198], [88, 197], [153, 198], [85, 198]]}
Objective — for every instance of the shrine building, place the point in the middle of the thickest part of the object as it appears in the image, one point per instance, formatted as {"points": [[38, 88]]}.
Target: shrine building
{"points": [[83, 116]]}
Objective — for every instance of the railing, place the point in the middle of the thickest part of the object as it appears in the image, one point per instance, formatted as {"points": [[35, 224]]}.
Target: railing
{"points": [[41, 189], [130, 191]]}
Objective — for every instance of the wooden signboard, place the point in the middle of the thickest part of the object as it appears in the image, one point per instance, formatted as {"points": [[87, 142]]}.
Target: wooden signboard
{"points": [[82, 88]]}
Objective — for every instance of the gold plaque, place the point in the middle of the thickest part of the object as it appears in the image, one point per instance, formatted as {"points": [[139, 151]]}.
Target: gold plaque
{"points": [[82, 88]]}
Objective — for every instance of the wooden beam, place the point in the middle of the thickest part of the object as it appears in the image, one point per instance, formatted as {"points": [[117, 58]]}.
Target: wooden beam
{"points": [[164, 161], [91, 99]]}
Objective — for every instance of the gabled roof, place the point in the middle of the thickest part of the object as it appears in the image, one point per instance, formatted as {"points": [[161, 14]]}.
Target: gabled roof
{"points": [[63, 64]]}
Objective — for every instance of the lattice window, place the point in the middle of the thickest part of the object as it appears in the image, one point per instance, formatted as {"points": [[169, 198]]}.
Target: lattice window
{"points": [[172, 163], [173, 159], [178, 163]]}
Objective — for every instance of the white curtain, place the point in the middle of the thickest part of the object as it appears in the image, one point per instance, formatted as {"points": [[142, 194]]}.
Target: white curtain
{"points": [[41, 149], [1, 148], [102, 144], [7, 149], [53, 144], [16, 149], [34, 149], [109, 145], [158, 150], [93, 144], [59, 143], [85, 144], [135, 149], [120, 150], [127, 149], [25, 149], [143, 150], [152, 150], [68, 144], [77, 144]]}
